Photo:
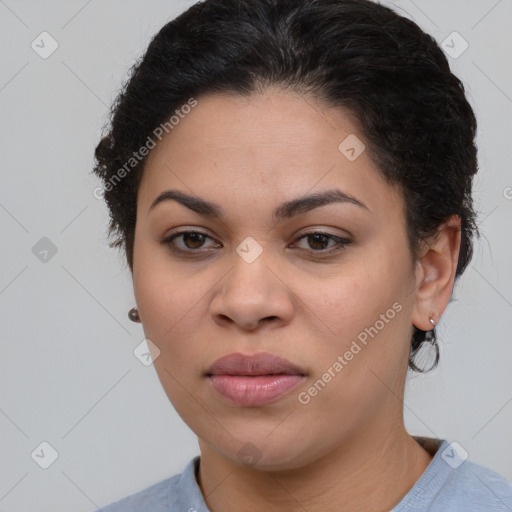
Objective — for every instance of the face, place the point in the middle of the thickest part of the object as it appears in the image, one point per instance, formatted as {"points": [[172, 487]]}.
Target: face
{"points": [[327, 284]]}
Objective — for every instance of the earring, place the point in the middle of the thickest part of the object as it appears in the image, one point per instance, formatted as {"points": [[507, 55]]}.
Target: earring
{"points": [[133, 315], [431, 319]]}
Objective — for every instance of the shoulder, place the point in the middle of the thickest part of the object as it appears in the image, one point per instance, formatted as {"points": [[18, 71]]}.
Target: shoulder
{"points": [[154, 498], [159, 497], [453, 483], [475, 487]]}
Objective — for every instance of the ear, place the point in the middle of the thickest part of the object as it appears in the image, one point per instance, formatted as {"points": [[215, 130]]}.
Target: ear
{"points": [[435, 273]]}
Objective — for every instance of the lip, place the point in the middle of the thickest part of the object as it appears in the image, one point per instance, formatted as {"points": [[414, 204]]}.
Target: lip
{"points": [[261, 363], [253, 379]]}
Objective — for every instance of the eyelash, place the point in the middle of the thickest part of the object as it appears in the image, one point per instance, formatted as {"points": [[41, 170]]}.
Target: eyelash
{"points": [[341, 243]]}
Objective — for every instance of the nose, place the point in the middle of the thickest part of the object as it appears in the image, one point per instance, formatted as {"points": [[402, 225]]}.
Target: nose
{"points": [[252, 294]]}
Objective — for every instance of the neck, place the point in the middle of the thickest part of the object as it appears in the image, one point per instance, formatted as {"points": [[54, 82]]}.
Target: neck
{"points": [[371, 472]]}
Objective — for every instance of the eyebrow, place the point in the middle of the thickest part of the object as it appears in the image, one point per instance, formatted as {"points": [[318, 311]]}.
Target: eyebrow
{"points": [[285, 210]]}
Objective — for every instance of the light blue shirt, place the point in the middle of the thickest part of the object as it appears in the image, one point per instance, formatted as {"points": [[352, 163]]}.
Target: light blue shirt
{"points": [[449, 484]]}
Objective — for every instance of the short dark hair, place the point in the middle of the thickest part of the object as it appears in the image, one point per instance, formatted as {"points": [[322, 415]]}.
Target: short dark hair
{"points": [[354, 54]]}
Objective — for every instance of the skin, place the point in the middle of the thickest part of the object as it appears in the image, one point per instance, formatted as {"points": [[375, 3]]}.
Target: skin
{"points": [[348, 445]]}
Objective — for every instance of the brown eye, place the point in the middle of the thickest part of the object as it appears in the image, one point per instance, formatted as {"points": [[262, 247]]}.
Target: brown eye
{"points": [[188, 241], [323, 243], [318, 241], [193, 240]]}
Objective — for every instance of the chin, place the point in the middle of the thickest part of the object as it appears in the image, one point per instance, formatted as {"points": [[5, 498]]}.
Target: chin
{"points": [[262, 454]]}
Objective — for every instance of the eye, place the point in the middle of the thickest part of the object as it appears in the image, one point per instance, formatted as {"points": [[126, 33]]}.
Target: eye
{"points": [[319, 241], [195, 242], [187, 241]]}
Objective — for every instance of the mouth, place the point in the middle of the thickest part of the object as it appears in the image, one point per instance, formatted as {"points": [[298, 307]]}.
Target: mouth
{"points": [[255, 379]]}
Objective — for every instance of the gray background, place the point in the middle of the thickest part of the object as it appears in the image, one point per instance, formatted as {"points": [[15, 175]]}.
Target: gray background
{"points": [[68, 375]]}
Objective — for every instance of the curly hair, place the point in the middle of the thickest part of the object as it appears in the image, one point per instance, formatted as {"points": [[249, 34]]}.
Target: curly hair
{"points": [[354, 54]]}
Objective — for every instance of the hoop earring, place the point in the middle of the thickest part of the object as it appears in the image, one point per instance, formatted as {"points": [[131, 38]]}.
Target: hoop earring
{"points": [[133, 315]]}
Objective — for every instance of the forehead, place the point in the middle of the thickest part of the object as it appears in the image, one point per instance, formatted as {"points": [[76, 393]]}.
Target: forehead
{"points": [[275, 145], [276, 120]]}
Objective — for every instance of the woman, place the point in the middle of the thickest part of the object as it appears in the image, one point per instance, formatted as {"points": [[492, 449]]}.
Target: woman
{"points": [[291, 183]]}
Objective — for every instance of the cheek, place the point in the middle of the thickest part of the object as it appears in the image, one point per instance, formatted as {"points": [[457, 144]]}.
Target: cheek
{"points": [[354, 297], [171, 306], [168, 298], [364, 319], [365, 311]]}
